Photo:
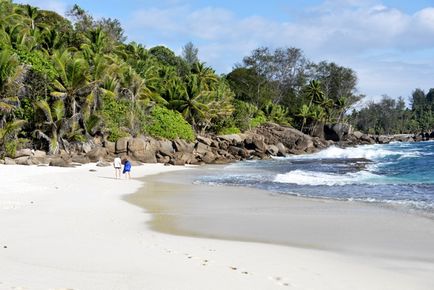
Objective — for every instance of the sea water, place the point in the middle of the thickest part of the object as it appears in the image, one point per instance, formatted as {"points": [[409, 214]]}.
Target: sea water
{"points": [[396, 174]]}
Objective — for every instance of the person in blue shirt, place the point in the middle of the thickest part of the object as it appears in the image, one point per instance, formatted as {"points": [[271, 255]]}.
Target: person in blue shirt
{"points": [[127, 168]]}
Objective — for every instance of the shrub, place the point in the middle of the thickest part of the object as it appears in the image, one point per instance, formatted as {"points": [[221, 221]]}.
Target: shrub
{"points": [[168, 124], [257, 120], [114, 117], [228, 131]]}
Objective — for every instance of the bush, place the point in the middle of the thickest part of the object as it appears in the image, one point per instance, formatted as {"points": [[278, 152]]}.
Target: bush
{"points": [[228, 131], [114, 117], [168, 124], [258, 120], [39, 62], [11, 148]]}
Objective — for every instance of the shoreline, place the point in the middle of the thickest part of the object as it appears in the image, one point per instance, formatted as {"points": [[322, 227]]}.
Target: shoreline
{"points": [[252, 215], [69, 228]]}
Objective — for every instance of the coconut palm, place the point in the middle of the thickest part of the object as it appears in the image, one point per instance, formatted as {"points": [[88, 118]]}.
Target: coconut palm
{"points": [[30, 13], [314, 92], [8, 133], [304, 113], [55, 126], [206, 76], [9, 73], [190, 100], [72, 79]]}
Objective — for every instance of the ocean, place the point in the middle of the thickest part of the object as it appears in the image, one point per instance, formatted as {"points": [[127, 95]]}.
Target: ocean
{"points": [[399, 175]]}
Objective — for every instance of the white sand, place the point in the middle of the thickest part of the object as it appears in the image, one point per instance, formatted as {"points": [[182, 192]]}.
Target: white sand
{"points": [[68, 228]]}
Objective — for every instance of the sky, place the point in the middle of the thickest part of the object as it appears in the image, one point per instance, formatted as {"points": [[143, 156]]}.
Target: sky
{"points": [[389, 44]]}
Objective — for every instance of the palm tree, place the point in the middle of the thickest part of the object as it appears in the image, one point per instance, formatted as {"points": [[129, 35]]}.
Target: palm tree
{"points": [[72, 78], [304, 113], [314, 92], [190, 101], [30, 12], [206, 76], [9, 72], [96, 42], [8, 134], [55, 126]]}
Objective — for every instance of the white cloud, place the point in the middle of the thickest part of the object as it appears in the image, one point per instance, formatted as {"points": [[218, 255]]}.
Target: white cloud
{"points": [[354, 33]]}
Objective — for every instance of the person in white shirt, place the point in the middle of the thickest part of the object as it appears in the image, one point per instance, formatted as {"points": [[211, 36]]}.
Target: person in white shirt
{"points": [[117, 163]]}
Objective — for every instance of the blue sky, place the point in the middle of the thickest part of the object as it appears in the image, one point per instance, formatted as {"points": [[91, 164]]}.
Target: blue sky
{"points": [[390, 44]]}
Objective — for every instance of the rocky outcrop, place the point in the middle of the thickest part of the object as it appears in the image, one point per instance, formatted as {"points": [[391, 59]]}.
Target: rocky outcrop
{"points": [[337, 132], [143, 150], [97, 154], [260, 143], [292, 139]]}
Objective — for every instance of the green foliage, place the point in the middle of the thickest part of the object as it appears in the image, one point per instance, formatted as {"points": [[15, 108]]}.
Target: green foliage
{"points": [[228, 131], [11, 148], [257, 121], [114, 117], [8, 137], [72, 82], [39, 62], [115, 133], [168, 124]]}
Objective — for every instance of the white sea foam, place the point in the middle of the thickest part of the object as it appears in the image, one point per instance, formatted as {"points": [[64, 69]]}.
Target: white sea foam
{"points": [[302, 177], [372, 152]]}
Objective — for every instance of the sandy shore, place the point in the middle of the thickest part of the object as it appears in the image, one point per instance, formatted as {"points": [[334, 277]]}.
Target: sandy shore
{"points": [[69, 228]]}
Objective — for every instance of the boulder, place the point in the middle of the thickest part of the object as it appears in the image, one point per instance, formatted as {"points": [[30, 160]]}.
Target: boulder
{"points": [[135, 145], [174, 161], [272, 150], [255, 142], [39, 154], [2, 162], [357, 134], [121, 145], [383, 139], [23, 160], [165, 147], [162, 159], [39, 160], [337, 132], [208, 157], [97, 154], [87, 147], [204, 140], [202, 148], [9, 161], [234, 139], [60, 162], [110, 146], [185, 158], [82, 159], [143, 150], [184, 146], [282, 149], [291, 138], [23, 152], [367, 138], [238, 151]]}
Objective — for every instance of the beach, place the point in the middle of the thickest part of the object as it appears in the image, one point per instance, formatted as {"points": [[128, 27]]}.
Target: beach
{"points": [[80, 228]]}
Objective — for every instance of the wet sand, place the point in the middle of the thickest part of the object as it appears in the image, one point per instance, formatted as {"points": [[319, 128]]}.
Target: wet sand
{"points": [[236, 213]]}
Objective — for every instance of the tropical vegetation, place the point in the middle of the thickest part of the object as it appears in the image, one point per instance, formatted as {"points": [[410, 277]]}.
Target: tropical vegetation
{"points": [[69, 79]]}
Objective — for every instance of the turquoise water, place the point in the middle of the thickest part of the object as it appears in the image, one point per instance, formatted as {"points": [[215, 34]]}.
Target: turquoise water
{"points": [[399, 174]]}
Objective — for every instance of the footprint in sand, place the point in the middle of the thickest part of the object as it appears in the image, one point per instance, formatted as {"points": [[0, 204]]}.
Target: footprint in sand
{"points": [[281, 281], [237, 269]]}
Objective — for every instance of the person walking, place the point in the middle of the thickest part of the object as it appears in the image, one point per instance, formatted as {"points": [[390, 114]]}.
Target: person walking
{"points": [[117, 163], [127, 169]]}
